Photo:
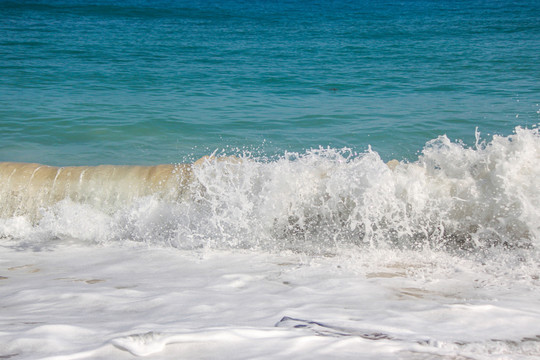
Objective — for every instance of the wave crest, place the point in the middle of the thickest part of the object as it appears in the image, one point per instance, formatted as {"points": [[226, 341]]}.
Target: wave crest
{"points": [[452, 197]]}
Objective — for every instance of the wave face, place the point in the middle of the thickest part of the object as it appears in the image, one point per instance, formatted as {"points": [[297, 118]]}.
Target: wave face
{"points": [[29, 188], [452, 198]]}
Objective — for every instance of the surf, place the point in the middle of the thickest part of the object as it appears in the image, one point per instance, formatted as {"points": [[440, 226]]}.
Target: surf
{"points": [[453, 197]]}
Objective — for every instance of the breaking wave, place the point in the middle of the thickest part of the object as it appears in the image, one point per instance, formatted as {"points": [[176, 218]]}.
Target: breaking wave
{"points": [[454, 197]]}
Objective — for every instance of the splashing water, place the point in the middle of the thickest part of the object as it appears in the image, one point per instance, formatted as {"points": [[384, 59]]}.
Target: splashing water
{"points": [[453, 197]]}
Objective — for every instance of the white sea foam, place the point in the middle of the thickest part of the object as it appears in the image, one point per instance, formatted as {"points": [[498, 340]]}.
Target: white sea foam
{"points": [[80, 302], [436, 258], [452, 197]]}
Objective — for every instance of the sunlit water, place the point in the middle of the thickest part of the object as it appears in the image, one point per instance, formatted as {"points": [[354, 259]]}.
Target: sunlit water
{"points": [[372, 191], [138, 82]]}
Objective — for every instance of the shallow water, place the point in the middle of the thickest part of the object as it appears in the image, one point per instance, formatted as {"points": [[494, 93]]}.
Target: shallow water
{"points": [[102, 303]]}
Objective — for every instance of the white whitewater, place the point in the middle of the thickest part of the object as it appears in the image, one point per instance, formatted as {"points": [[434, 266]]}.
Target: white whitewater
{"points": [[452, 197], [326, 254]]}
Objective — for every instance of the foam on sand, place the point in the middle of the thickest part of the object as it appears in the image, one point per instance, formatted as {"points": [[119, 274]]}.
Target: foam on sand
{"points": [[174, 304]]}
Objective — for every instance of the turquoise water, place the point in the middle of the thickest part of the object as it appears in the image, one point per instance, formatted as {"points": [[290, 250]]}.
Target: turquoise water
{"points": [[144, 82]]}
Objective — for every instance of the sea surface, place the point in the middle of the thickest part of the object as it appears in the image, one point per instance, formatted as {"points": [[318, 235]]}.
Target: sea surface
{"points": [[336, 179], [147, 82]]}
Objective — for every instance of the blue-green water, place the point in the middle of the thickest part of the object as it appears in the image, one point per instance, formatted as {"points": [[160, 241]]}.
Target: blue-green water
{"points": [[142, 82]]}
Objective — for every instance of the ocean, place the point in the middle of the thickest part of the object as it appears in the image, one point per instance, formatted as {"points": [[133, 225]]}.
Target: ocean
{"points": [[269, 179]]}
